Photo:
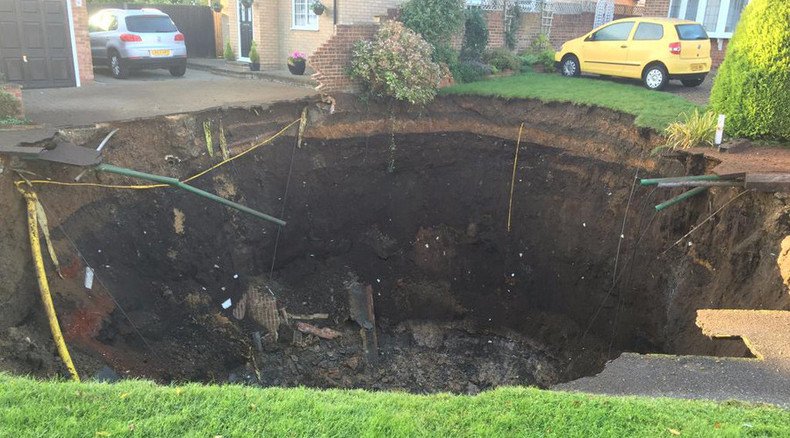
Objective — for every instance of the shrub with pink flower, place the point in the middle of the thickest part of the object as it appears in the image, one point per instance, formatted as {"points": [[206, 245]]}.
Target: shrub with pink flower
{"points": [[296, 57], [397, 63]]}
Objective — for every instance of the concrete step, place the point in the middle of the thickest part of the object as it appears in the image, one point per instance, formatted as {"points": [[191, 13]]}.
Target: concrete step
{"points": [[241, 70]]}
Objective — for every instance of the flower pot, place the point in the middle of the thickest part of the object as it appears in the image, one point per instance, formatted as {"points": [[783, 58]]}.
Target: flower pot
{"points": [[296, 67], [318, 8], [255, 66]]}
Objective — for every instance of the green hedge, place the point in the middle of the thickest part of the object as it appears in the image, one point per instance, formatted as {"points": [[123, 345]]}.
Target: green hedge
{"points": [[752, 87]]}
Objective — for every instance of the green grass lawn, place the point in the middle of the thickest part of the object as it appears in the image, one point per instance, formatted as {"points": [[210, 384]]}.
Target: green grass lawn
{"points": [[51, 408], [653, 109]]}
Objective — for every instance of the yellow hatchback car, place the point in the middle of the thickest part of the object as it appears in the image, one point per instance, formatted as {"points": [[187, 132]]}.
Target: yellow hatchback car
{"points": [[654, 50]]}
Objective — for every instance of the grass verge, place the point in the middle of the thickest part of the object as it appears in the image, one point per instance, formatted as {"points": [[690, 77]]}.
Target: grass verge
{"points": [[653, 109], [53, 408]]}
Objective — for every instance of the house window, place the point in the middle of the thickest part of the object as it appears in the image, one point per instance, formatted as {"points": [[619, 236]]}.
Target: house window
{"points": [[719, 17], [303, 16]]}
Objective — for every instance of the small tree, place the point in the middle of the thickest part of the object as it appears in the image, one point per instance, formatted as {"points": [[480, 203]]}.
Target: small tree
{"points": [[255, 58], [229, 55], [752, 87], [397, 64], [435, 20], [475, 36]]}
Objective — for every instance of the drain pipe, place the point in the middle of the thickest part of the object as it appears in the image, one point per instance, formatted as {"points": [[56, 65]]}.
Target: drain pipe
{"points": [[178, 184], [654, 181], [43, 285], [680, 198]]}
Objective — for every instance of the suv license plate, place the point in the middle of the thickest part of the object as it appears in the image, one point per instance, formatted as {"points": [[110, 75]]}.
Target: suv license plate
{"points": [[158, 53], [697, 67]]}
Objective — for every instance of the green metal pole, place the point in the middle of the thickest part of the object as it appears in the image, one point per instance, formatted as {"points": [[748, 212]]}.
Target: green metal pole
{"points": [[176, 183], [654, 181], [680, 198]]}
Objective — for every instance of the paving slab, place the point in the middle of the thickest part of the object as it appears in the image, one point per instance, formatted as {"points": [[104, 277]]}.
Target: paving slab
{"points": [[765, 332], [690, 377]]}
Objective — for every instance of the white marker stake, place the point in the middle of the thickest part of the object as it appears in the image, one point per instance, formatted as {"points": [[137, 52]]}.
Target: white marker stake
{"points": [[227, 304], [720, 130], [88, 277]]}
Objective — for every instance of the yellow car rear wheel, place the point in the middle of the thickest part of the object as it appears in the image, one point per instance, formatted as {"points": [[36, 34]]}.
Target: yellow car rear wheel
{"points": [[655, 76]]}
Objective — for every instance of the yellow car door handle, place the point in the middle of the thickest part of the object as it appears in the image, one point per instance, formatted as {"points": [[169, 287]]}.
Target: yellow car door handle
{"points": [[623, 47]]}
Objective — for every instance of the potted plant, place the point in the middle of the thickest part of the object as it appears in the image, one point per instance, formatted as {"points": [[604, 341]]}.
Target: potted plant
{"points": [[229, 55], [216, 6], [297, 63], [318, 7], [255, 59]]}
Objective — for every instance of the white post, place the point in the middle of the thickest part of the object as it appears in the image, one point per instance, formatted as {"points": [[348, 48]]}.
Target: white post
{"points": [[720, 130]]}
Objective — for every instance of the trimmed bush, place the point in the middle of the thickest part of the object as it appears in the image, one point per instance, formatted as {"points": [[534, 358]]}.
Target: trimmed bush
{"points": [[255, 58], [511, 33], [471, 71], [544, 58], [9, 105], [435, 20], [502, 59], [475, 36], [229, 55], [398, 64], [752, 87]]}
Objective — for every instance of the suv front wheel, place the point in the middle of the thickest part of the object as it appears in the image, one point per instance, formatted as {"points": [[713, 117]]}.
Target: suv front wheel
{"points": [[655, 77], [117, 67]]}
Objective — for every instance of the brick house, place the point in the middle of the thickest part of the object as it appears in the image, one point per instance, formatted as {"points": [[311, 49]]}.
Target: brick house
{"points": [[280, 27], [719, 17], [45, 43]]}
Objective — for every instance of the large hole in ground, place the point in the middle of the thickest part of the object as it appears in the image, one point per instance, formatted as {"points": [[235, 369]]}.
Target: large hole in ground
{"points": [[459, 300], [461, 304]]}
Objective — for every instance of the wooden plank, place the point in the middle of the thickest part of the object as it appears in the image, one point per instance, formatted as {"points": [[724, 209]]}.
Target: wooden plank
{"points": [[768, 182]]}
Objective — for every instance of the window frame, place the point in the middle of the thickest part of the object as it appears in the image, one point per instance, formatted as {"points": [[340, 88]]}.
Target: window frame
{"points": [[312, 26], [721, 20], [647, 23], [591, 37]]}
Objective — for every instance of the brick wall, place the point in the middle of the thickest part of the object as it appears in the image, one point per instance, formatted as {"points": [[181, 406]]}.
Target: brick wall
{"points": [[83, 44], [569, 26], [717, 56], [527, 31], [305, 41], [496, 29], [331, 60], [363, 11], [656, 8], [273, 26]]}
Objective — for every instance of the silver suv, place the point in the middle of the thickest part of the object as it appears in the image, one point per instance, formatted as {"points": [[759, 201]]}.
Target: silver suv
{"points": [[125, 40]]}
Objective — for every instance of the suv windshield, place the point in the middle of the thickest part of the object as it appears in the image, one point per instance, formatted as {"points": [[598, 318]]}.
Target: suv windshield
{"points": [[691, 32], [150, 24]]}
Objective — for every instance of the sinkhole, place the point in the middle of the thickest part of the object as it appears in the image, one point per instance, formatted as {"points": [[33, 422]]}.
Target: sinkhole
{"points": [[396, 270]]}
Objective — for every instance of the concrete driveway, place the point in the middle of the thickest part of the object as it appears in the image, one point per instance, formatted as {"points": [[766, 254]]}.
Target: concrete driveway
{"points": [[149, 93]]}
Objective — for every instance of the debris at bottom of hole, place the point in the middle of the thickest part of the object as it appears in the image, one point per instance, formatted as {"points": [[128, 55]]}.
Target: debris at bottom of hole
{"points": [[323, 333], [360, 303]]}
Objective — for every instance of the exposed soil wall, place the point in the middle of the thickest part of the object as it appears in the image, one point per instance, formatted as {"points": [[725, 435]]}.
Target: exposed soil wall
{"points": [[413, 204]]}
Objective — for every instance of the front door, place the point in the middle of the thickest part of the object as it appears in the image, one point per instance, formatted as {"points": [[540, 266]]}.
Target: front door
{"points": [[35, 45], [245, 30]]}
